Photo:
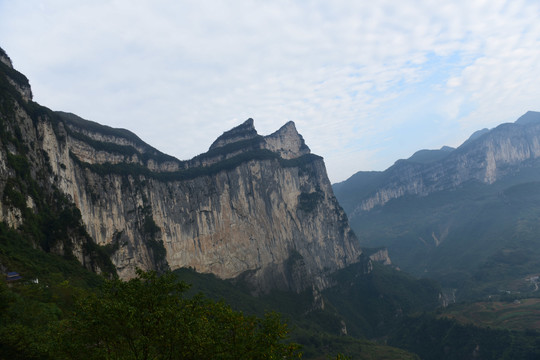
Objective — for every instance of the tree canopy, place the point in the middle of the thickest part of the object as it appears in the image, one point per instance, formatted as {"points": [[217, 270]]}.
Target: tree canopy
{"points": [[148, 317]]}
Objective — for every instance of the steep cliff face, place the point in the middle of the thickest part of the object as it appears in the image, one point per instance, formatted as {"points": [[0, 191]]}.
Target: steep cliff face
{"points": [[247, 210], [485, 157], [252, 206], [29, 197]]}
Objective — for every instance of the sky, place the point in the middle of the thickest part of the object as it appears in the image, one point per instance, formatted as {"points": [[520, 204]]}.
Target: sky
{"points": [[366, 82]]}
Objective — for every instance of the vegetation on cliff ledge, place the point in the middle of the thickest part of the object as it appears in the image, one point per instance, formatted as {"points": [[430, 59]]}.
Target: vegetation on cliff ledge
{"points": [[133, 169]]}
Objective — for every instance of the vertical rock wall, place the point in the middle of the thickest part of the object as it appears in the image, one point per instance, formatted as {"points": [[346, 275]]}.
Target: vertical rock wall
{"points": [[257, 207]]}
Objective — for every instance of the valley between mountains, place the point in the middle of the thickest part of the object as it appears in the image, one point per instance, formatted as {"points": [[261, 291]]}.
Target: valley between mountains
{"points": [[467, 217]]}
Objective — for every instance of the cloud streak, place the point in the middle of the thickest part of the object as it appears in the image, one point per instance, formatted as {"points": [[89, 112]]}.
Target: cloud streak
{"points": [[365, 83]]}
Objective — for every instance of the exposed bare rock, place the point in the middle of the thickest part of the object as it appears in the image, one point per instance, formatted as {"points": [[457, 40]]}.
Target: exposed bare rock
{"points": [[16, 79], [259, 208], [245, 131], [381, 256], [274, 221], [287, 142]]}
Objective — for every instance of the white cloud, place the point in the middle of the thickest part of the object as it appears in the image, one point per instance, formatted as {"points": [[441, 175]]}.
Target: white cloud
{"points": [[179, 73]]}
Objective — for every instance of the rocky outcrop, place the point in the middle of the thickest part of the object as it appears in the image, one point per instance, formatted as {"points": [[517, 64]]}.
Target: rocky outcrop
{"points": [[245, 131], [287, 142], [380, 255], [16, 79], [255, 207]]}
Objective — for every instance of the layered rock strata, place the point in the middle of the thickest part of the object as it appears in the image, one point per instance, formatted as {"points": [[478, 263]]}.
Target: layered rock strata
{"points": [[259, 207]]}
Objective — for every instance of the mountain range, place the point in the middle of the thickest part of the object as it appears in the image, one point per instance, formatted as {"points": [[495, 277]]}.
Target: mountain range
{"points": [[465, 216], [254, 218], [254, 222]]}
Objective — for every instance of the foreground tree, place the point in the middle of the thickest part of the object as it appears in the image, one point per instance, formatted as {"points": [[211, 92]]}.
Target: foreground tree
{"points": [[148, 317]]}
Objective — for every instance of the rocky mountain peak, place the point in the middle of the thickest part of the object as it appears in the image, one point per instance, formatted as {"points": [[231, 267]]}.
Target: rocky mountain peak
{"points": [[244, 131], [287, 142], [427, 156], [477, 134], [5, 58], [530, 117], [15, 78]]}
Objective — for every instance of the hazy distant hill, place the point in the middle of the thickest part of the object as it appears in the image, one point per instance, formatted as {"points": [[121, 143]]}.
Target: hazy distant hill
{"points": [[467, 216]]}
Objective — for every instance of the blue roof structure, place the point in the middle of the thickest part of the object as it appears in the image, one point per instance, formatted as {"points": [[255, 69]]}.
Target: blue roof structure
{"points": [[13, 276]]}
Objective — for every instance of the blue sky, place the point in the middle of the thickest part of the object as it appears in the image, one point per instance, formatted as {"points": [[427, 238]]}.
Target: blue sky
{"points": [[365, 82]]}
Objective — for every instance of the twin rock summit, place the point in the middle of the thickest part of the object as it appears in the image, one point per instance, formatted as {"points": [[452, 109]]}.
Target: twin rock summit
{"points": [[256, 207]]}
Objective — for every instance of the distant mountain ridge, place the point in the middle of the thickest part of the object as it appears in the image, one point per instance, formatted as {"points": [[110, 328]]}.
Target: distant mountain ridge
{"points": [[456, 214], [428, 156], [486, 156]]}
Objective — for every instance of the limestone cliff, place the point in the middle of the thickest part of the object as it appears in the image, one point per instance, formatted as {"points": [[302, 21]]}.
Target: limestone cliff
{"points": [[260, 207], [29, 196]]}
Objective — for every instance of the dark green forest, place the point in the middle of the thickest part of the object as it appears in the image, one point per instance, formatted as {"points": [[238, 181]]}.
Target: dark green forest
{"points": [[147, 317]]}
